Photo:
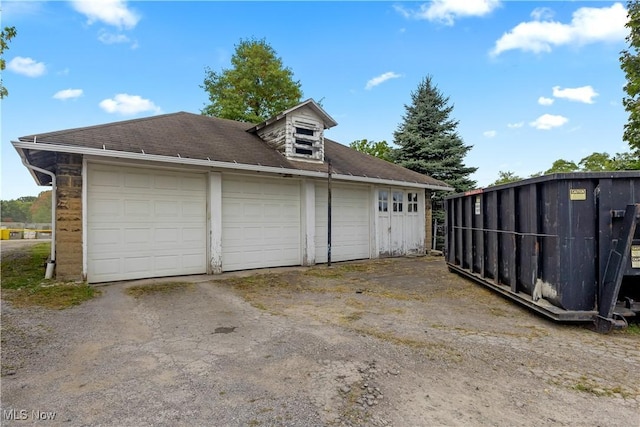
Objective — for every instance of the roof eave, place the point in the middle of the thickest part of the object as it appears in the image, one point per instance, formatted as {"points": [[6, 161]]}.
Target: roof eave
{"points": [[25, 161], [21, 146]]}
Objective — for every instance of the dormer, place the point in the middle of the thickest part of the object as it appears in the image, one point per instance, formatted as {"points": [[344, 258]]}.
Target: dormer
{"points": [[298, 132]]}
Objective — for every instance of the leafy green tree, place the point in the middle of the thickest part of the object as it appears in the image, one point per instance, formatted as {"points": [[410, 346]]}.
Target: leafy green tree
{"points": [[40, 209], [379, 149], [429, 143], [5, 37], [630, 64], [505, 177], [428, 139], [257, 86], [562, 166], [17, 210], [625, 162], [596, 162]]}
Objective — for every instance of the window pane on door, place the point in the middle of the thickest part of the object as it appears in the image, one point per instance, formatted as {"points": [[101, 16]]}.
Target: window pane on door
{"points": [[397, 201]]}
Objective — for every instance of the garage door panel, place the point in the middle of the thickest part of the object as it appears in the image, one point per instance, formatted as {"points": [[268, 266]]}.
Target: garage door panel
{"points": [[192, 210], [166, 262], [190, 235], [139, 264], [350, 208], [106, 178], [144, 223], [106, 266], [137, 180], [261, 223]]}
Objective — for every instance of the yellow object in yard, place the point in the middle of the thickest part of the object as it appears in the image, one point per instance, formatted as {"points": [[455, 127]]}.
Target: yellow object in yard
{"points": [[4, 234]]}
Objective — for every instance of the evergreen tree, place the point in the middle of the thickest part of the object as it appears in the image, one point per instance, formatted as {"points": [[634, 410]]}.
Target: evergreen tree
{"points": [[429, 143], [428, 139]]}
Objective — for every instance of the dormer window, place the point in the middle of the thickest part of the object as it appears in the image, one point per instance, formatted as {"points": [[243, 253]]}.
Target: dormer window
{"points": [[297, 133], [306, 140]]}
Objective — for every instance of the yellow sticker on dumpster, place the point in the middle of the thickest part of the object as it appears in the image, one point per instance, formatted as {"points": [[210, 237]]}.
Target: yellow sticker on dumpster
{"points": [[577, 194], [635, 256]]}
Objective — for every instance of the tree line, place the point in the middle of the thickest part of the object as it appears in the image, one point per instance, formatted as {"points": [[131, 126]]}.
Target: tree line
{"points": [[29, 209], [595, 162]]}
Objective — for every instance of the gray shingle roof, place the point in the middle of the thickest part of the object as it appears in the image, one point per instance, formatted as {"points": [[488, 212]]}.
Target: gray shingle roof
{"points": [[194, 136]]}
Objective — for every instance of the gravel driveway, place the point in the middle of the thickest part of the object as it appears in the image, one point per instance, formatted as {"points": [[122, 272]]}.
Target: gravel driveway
{"points": [[399, 342]]}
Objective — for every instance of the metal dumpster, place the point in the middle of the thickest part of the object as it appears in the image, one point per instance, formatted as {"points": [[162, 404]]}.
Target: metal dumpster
{"points": [[565, 245]]}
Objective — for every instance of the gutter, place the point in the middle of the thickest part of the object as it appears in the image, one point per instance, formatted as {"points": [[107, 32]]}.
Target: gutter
{"points": [[19, 145], [52, 259]]}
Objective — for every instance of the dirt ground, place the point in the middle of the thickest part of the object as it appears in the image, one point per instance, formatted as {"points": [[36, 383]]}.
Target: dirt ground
{"points": [[398, 342]]}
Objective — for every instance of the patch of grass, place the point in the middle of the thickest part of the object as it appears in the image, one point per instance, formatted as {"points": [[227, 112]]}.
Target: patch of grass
{"points": [[56, 295], [23, 282], [352, 302], [259, 282], [324, 272], [632, 329], [25, 269], [140, 291], [435, 347], [356, 315], [399, 296], [498, 312], [259, 306], [588, 385]]}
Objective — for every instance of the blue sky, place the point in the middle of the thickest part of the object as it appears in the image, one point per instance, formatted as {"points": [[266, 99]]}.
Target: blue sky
{"points": [[530, 82]]}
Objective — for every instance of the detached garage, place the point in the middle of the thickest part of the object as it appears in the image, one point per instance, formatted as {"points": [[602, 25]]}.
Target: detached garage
{"points": [[181, 193]]}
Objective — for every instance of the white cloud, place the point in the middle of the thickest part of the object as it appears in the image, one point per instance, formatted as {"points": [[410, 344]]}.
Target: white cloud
{"points": [[489, 133], [111, 38], [548, 121], [26, 66], [447, 11], [68, 94], [542, 13], [588, 25], [545, 101], [13, 9], [580, 94], [127, 104], [515, 125], [381, 79], [110, 12]]}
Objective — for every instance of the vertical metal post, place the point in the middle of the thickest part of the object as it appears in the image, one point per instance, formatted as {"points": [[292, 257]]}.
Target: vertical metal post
{"points": [[329, 215], [435, 233]]}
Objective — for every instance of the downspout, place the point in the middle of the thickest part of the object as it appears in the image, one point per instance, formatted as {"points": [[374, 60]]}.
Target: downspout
{"points": [[329, 215], [52, 260]]}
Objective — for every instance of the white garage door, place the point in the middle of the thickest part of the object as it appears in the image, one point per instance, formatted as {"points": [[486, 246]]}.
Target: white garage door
{"points": [[260, 222], [144, 223], [350, 207]]}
